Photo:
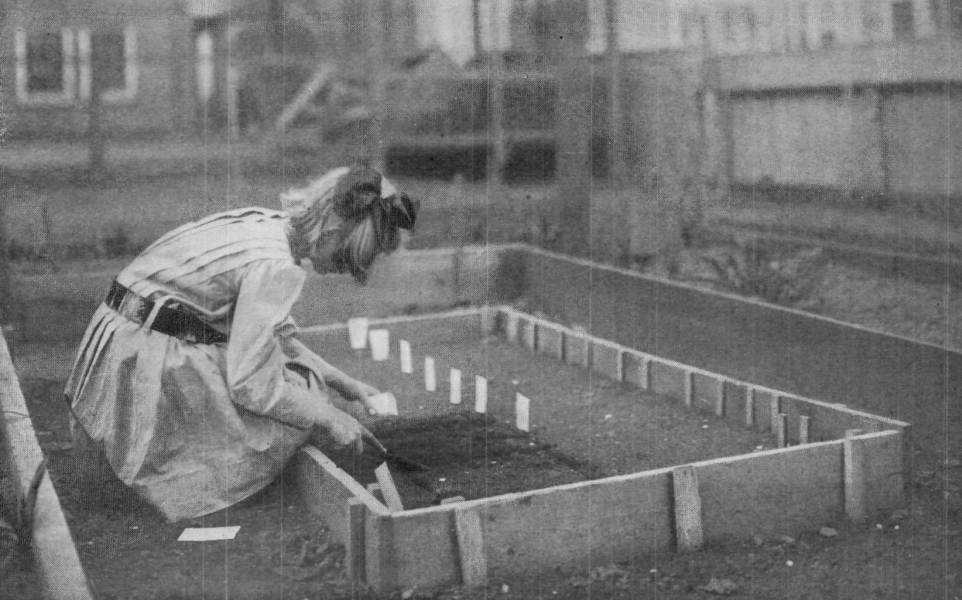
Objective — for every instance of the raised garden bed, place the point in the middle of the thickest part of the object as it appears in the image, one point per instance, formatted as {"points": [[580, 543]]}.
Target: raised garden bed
{"points": [[619, 462], [829, 460]]}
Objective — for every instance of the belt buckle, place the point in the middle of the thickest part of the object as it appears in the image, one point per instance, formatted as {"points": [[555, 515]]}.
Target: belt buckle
{"points": [[132, 307]]}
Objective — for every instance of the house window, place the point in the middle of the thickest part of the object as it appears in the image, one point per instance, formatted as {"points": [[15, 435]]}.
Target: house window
{"points": [[903, 20], [57, 67], [111, 56], [955, 17], [44, 69]]}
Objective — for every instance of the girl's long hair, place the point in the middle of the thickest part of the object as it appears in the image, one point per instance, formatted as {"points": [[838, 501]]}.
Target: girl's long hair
{"points": [[353, 194], [357, 252]]}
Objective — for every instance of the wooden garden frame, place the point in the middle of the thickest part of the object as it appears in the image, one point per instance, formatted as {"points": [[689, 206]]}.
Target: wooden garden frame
{"points": [[832, 461]]}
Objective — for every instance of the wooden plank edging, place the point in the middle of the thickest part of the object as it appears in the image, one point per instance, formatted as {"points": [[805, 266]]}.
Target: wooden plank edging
{"points": [[513, 314], [56, 562]]}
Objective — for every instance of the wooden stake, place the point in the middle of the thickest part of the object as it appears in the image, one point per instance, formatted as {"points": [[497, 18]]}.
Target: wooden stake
{"points": [[720, 399], [522, 408], [804, 423], [488, 320], [480, 394], [781, 430], [474, 565], [406, 363], [689, 388], [455, 386], [391, 496], [776, 410], [511, 327], [645, 375], [354, 548], [688, 527], [854, 483], [430, 376], [620, 366], [750, 407]]}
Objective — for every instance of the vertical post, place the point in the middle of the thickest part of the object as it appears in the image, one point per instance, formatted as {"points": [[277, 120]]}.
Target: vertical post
{"points": [[645, 375], [380, 564], [470, 535], [854, 483], [497, 154], [354, 551], [95, 132], [781, 430], [775, 412], [616, 125], [378, 85], [804, 425], [688, 527], [689, 388], [750, 407], [720, 398]]}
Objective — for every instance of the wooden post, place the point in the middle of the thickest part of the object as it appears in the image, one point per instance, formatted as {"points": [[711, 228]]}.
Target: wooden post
{"points": [[616, 125], [97, 144], [380, 48], [354, 548], [688, 527], [750, 407], [776, 408], [854, 483], [804, 423], [391, 496], [781, 430], [720, 398], [645, 375], [689, 388], [474, 564], [497, 154]]}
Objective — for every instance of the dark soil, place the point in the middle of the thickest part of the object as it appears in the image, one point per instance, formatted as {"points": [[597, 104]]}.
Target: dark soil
{"points": [[467, 455]]}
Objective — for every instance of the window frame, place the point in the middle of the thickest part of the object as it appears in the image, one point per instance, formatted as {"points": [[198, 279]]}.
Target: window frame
{"points": [[124, 95], [68, 79]]}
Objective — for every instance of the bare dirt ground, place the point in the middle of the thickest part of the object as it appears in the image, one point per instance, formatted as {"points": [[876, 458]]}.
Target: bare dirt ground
{"points": [[913, 554]]}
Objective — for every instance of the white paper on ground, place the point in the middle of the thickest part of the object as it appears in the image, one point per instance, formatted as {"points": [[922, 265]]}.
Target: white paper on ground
{"points": [[208, 534]]}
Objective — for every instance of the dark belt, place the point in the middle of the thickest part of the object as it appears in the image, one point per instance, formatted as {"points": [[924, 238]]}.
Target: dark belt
{"points": [[170, 321]]}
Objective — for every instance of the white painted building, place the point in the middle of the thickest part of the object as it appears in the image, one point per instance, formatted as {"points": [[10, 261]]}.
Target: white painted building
{"points": [[720, 26]]}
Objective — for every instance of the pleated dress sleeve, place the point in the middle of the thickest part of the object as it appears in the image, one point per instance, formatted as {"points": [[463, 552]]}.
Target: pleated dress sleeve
{"points": [[255, 358]]}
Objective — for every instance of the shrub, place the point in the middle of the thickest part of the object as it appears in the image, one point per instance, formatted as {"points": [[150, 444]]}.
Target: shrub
{"points": [[749, 270]]}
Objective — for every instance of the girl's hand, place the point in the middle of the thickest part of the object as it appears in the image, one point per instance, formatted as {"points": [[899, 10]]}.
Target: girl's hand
{"points": [[358, 391], [345, 430]]}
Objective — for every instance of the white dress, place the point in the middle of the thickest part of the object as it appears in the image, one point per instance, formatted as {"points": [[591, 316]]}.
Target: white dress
{"points": [[196, 427]]}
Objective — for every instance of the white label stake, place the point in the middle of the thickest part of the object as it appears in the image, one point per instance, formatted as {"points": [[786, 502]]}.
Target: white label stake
{"points": [[480, 394], [357, 331], [380, 350], [455, 386], [430, 378], [384, 403], [406, 366], [522, 407]]}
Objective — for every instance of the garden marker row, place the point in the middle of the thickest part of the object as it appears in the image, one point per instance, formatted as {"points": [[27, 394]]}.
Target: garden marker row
{"points": [[379, 341]]}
